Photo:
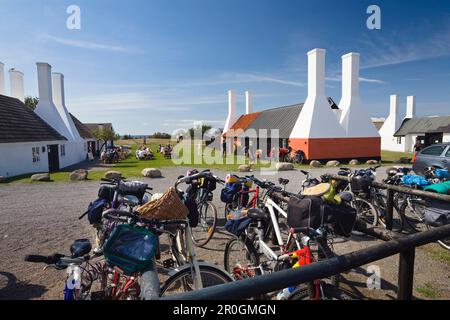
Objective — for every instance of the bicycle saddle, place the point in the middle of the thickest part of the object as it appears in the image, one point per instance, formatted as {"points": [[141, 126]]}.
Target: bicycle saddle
{"points": [[283, 182], [257, 214], [80, 248]]}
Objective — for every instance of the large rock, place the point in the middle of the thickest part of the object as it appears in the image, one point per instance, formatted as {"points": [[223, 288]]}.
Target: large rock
{"points": [[79, 175], [151, 173], [354, 162], [113, 174], [245, 168], [372, 162], [40, 177], [284, 166], [315, 164], [333, 163]]}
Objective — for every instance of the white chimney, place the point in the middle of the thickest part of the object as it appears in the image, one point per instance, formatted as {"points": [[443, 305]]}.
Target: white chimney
{"points": [[232, 116], [46, 109], [394, 112], [248, 102], [410, 107], [317, 120], [354, 118], [60, 103], [17, 87], [2, 78]]}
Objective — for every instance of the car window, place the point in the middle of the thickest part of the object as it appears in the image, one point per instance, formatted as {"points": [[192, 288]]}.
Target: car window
{"points": [[448, 153], [433, 151]]}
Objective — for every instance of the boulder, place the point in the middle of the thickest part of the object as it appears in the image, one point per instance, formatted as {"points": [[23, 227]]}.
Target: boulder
{"points": [[315, 164], [79, 175], [284, 166], [40, 177], [353, 162], [333, 163], [372, 162], [245, 168], [113, 174], [151, 173]]}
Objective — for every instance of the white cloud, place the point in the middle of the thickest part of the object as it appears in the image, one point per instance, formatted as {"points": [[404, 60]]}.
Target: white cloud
{"points": [[362, 79], [88, 45]]}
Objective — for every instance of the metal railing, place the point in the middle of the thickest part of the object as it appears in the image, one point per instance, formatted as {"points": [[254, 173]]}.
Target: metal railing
{"points": [[395, 244]]}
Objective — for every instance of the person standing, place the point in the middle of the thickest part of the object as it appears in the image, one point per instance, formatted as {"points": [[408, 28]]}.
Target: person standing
{"points": [[418, 145]]}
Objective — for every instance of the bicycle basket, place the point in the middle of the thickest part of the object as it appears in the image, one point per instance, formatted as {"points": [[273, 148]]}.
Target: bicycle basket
{"points": [[168, 207], [131, 248], [361, 184]]}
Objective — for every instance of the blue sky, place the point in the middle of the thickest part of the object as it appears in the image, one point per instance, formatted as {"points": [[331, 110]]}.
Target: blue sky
{"points": [[153, 66]]}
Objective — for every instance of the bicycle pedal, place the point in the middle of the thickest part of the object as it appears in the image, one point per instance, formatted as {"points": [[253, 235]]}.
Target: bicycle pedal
{"points": [[168, 263]]}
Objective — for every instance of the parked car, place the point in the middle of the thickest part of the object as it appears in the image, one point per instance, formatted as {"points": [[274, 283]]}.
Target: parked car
{"points": [[436, 155]]}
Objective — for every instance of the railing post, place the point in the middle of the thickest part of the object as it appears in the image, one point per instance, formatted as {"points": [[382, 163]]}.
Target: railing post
{"points": [[406, 274], [389, 209]]}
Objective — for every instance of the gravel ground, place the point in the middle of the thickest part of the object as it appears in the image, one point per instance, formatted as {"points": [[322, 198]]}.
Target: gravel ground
{"points": [[43, 219]]}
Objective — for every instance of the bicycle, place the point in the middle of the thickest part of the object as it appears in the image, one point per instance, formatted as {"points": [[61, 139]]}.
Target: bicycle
{"points": [[202, 191]]}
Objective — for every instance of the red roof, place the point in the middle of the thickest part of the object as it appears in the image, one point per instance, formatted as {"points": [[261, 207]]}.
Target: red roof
{"points": [[244, 121]]}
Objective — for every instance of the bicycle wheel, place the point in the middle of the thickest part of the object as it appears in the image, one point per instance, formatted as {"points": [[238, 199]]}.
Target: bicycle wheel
{"points": [[365, 211], [183, 281], [379, 201], [328, 292], [321, 250], [412, 211], [241, 259], [206, 224]]}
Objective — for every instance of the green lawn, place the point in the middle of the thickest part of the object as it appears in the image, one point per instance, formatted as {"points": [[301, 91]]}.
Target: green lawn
{"points": [[131, 167]]}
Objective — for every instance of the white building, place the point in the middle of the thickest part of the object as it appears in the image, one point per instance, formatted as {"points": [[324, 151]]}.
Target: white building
{"points": [[44, 140], [400, 133]]}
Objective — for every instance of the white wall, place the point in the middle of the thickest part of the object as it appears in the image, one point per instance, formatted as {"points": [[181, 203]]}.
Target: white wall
{"points": [[74, 154], [446, 137], [17, 158]]}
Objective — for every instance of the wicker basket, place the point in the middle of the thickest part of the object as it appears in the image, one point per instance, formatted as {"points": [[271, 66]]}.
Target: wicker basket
{"points": [[168, 207]]}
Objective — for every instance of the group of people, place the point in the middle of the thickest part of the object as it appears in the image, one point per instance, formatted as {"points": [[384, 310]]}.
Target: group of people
{"points": [[166, 150], [144, 153]]}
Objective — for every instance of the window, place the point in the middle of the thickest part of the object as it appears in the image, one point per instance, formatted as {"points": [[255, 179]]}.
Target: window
{"points": [[448, 153], [433, 151], [399, 140], [63, 150], [35, 153]]}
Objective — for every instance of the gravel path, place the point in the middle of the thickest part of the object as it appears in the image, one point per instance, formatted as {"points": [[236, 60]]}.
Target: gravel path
{"points": [[43, 219]]}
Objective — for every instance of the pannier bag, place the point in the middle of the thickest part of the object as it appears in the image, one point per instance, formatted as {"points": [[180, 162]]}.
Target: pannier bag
{"points": [[193, 213], [414, 180], [229, 192], [131, 248], [237, 226], [442, 188], [133, 188], [168, 207], [95, 211], [106, 193], [437, 213], [313, 212]]}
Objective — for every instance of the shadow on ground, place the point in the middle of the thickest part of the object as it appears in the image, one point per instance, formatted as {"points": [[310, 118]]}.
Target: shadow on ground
{"points": [[13, 289]]}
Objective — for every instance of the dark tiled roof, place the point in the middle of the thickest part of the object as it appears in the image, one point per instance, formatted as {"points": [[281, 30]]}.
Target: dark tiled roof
{"points": [[18, 123], [83, 130], [282, 118], [424, 125], [93, 126]]}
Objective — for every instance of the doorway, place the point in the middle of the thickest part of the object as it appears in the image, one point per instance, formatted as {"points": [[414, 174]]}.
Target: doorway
{"points": [[53, 157], [433, 138]]}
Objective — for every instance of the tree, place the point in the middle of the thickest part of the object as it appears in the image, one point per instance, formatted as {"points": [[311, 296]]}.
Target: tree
{"points": [[204, 128], [31, 102], [160, 135], [105, 134]]}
